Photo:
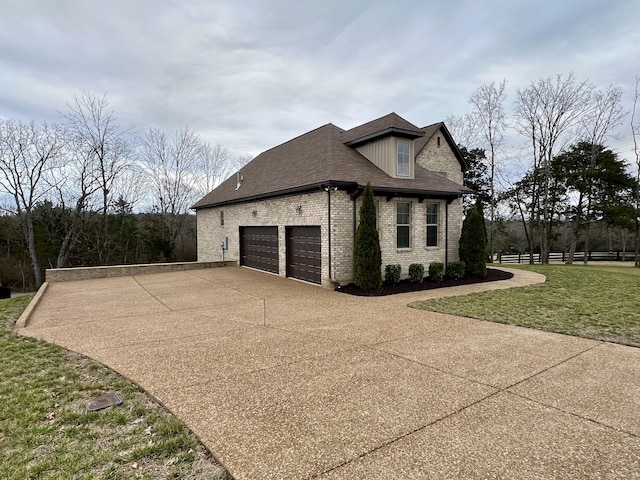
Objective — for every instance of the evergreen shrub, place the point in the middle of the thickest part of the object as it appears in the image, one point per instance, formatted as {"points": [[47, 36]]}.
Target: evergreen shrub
{"points": [[473, 242], [416, 272], [392, 274], [367, 258], [436, 271], [455, 270]]}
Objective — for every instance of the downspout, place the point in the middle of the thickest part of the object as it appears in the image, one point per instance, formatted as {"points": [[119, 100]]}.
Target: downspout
{"points": [[329, 223], [355, 226], [446, 233], [328, 189]]}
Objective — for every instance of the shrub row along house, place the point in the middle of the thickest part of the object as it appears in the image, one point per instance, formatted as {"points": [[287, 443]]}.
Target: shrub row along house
{"points": [[293, 210]]}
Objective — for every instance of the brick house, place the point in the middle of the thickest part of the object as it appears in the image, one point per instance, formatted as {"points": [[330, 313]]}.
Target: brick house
{"points": [[294, 209]]}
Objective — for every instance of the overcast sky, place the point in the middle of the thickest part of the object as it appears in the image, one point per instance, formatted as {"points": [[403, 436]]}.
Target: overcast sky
{"points": [[250, 74]]}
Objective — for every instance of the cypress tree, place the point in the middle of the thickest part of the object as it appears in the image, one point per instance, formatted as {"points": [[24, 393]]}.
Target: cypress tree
{"points": [[367, 258], [473, 242]]}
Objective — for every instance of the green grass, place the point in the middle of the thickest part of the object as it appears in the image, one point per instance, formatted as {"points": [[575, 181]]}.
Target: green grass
{"points": [[600, 302], [46, 431]]}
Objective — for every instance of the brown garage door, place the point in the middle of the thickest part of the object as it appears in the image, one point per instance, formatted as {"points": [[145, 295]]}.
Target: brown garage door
{"points": [[259, 248], [304, 256]]}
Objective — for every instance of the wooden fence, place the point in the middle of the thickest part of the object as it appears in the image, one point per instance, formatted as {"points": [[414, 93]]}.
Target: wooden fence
{"points": [[561, 257]]}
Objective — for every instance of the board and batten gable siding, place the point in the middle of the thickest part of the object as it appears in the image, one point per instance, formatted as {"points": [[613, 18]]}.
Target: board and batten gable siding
{"points": [[282, 212], [383, 154], [440, 159]]}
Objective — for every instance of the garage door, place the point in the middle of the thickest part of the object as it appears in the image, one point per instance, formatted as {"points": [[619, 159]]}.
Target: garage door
{"points": [[259, 248], [304, 256]]}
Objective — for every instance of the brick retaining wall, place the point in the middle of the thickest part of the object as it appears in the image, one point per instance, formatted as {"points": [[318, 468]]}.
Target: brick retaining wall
{"points": [[86, 273]]}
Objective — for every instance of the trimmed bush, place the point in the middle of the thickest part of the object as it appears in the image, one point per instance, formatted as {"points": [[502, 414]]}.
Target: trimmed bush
{"points": [[473, 242], [367, 259], [392, 274], [455, 270], [416, 272], [436, 271]]}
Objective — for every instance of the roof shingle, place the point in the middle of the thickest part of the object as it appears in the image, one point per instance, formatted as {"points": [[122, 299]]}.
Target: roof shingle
{"points": [[320, 157], [381, 126]]}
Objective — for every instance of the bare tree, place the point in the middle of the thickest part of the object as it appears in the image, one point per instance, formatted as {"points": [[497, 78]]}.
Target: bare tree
{"points": [[604, 114], [171, 164], [75, 185], [546, 112], [488, 101], [28, 156], [102, 147], [635, 134], [464, 130], [215, 165], [130, 185]]}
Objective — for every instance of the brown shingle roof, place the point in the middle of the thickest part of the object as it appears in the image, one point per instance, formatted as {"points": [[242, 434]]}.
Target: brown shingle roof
{"points": [[317, 158], [391, 123]]}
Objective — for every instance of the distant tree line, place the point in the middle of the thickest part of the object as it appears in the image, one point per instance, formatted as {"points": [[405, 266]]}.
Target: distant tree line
{"points": [[88, 191], [573, 181]]}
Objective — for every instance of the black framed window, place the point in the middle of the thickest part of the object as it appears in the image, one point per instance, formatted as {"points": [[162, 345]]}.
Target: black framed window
{"points": [[432, 225], [403, 225]]}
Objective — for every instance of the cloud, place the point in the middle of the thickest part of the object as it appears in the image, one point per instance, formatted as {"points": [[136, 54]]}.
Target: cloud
{"points": [[255, 74]]}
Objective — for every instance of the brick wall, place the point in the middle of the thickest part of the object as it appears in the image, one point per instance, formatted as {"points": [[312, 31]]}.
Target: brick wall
{"points": [[440, 158], [282, 212], [418, 252]]}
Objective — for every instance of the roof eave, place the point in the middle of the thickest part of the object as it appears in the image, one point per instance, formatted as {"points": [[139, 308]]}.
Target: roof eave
{"points": [[385, 191], [454, 147], [400, 132], [280, 193]]}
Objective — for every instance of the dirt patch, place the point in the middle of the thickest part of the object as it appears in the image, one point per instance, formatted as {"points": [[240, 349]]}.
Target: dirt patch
{"points": [[493, 275]]}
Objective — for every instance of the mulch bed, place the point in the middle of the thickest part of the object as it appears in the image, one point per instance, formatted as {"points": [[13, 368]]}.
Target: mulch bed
{"points": [[404, 286]]}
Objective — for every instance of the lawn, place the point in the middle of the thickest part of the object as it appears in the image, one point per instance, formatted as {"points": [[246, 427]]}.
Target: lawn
{"points": [[600, 302], [47, 432]]}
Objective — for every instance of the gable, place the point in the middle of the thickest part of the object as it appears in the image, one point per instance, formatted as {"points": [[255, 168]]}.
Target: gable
{"points": [[432, 132]]}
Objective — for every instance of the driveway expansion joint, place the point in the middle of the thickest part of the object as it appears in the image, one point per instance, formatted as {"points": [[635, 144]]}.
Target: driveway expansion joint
{"points": [[407, 434], [151, 294], [573, 414]]}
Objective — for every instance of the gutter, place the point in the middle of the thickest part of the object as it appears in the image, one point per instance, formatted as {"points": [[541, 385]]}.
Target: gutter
{"points": [[279, 193]]}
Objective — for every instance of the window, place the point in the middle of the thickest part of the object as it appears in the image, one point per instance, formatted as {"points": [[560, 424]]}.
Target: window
{"points": [[403, 159], [403, 224], [432, 225], [221, 218]]}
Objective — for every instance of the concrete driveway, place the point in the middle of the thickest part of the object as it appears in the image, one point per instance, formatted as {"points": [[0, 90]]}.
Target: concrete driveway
{"points": [[281, 379]]}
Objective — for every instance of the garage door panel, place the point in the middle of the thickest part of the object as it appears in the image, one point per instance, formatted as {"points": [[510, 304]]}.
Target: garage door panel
{"points": [[259, 248], [304, 253]]}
